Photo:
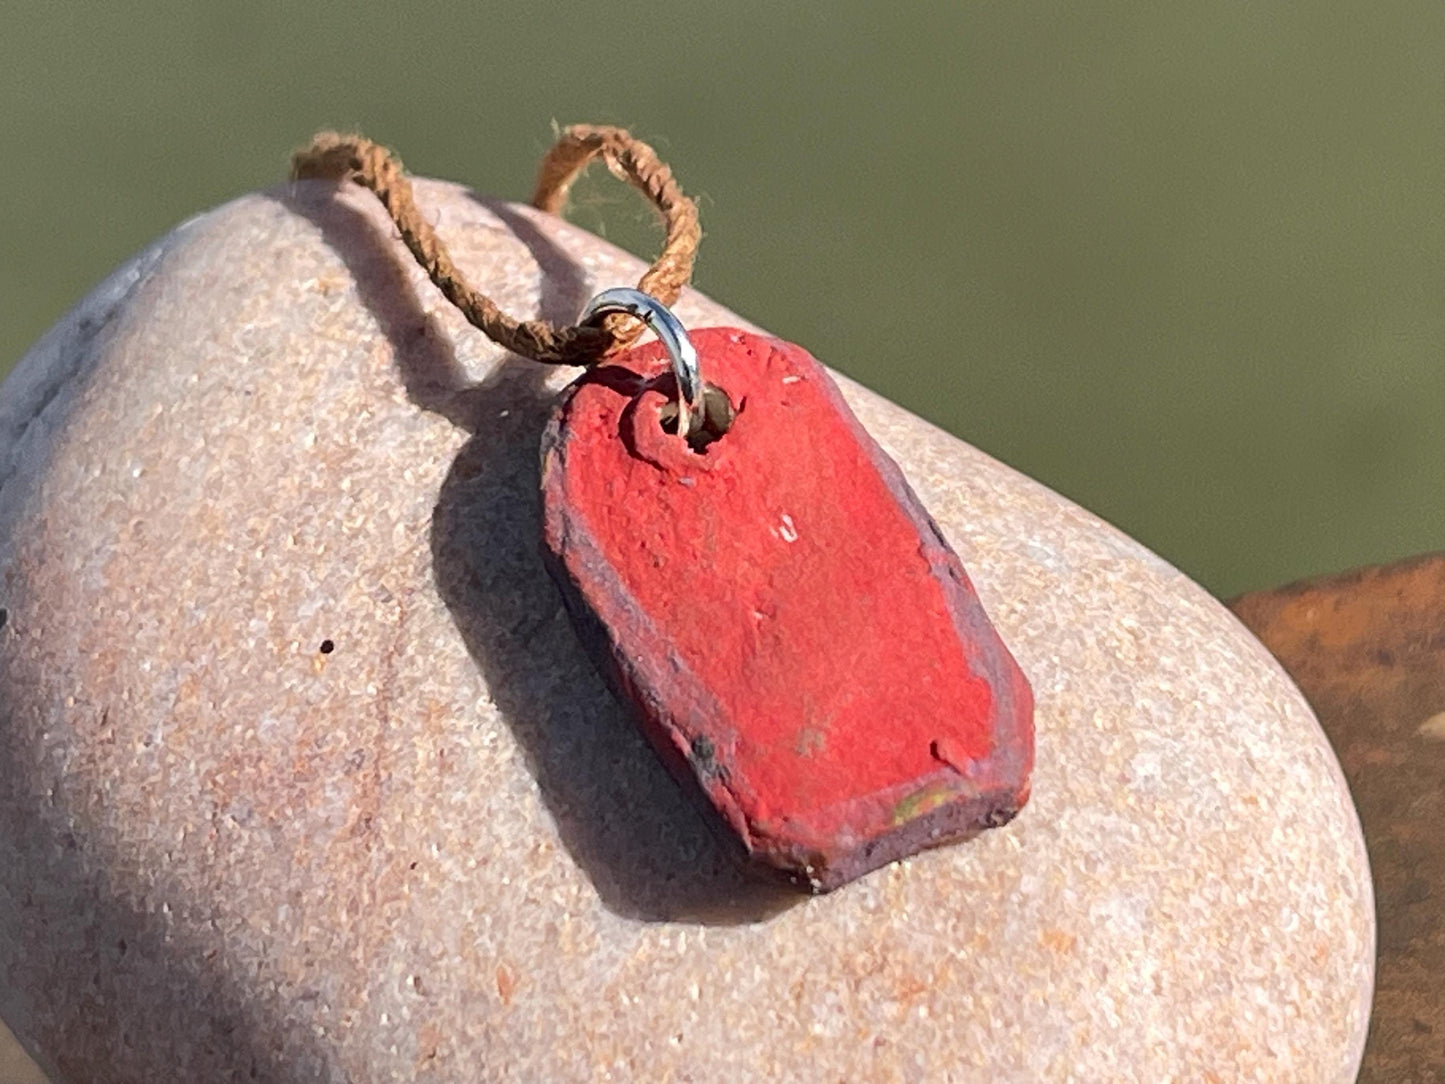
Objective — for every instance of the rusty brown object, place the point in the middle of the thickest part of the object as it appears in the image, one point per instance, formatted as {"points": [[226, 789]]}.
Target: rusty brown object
{"points": [[1367, 648]]}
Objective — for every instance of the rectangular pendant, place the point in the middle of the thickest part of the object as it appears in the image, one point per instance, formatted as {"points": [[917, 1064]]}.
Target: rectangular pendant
{"points": [[796, 638]]}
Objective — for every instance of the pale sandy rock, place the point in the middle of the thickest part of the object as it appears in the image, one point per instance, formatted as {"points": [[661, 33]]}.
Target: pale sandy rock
{"points": [[441, 852]]}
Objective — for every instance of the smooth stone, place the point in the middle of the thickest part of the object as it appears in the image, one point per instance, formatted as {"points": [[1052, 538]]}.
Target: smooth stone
{"points": [[441, 851]]}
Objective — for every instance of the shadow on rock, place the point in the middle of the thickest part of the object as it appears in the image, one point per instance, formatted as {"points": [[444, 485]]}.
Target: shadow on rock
{"points": [[112, 990], [620, 815]]}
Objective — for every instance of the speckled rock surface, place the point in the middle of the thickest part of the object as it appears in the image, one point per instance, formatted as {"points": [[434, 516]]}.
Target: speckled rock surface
{"points": [[439, 851]]}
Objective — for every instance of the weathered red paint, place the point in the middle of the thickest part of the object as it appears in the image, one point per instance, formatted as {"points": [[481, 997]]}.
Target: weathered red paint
{"points": [[801, 645]]}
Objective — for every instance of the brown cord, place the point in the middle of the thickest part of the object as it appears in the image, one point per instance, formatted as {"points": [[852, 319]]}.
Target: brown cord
{"points": [[332, 157]]}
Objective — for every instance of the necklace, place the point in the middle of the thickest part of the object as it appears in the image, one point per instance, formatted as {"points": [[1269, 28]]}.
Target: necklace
{"points": [[747, 567]]}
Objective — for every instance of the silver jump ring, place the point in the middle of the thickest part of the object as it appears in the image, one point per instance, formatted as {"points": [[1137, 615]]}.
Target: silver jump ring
{"points": [[673, 336]]}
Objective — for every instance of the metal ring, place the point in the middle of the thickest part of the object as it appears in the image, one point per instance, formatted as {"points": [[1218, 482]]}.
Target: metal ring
{"points": [[673, 336]]}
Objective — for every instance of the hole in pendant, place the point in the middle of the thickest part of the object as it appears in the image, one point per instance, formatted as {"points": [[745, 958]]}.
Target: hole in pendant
{"points": [[327, 647], [717, 418]]}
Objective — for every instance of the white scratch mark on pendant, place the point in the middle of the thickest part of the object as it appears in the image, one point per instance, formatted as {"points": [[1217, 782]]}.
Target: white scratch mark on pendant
{"points": [[788, 532]]}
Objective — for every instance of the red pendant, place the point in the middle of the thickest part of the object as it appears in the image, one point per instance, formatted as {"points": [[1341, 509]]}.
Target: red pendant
{"points": [[800, 644]]}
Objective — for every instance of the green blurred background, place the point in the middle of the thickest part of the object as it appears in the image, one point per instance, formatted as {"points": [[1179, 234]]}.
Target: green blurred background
{"points": [[1184, 262]]}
